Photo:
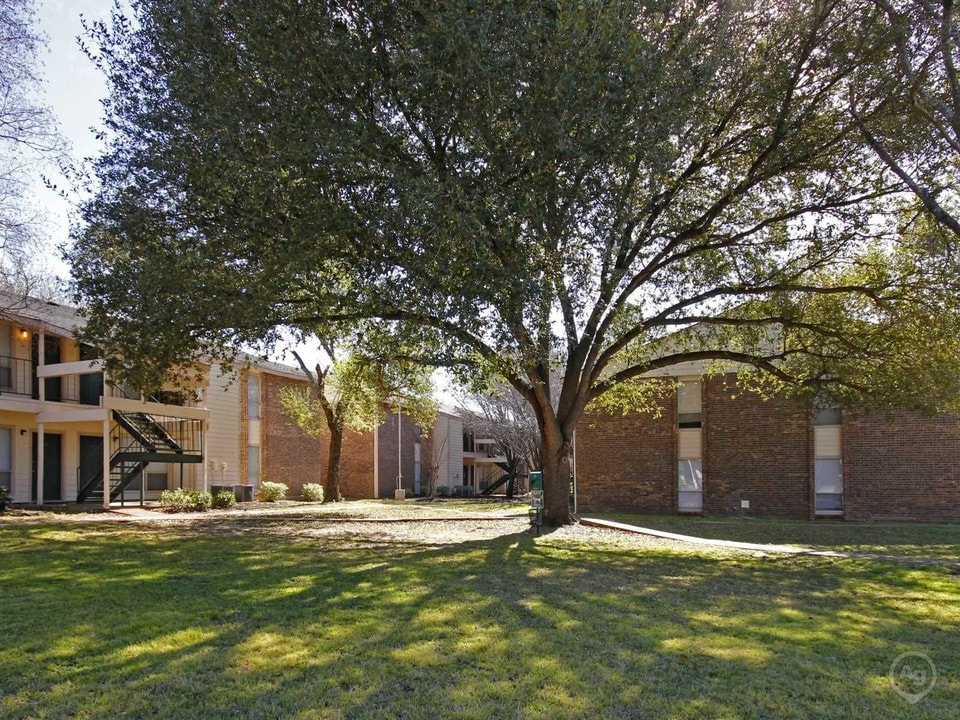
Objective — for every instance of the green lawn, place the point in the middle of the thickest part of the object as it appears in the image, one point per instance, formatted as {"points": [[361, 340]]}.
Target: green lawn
{"points": [[276, 619], [906, 539]]}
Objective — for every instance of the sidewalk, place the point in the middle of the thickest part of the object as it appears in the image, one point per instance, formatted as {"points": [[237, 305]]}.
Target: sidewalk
{"points": [[776, 549]]}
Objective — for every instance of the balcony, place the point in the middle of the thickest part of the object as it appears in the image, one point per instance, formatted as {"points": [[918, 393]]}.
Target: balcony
{"points": [[20, 378]]}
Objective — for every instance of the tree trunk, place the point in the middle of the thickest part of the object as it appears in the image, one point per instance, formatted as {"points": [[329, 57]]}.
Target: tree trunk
{"points": [[331, 490], [555, 456]]}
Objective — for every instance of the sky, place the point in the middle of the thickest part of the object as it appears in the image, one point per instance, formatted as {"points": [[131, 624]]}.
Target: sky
{"points": [[72, 88]]}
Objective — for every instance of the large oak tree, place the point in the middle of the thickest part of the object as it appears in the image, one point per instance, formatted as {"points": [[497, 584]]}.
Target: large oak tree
{"points": [[537, 189]]}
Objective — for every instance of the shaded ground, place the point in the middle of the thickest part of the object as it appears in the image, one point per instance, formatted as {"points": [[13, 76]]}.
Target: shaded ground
{"points": [[231, 617], [354, 509]]}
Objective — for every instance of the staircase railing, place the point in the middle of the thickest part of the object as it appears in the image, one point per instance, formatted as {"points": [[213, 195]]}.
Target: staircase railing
{"points": [[139, 434]]}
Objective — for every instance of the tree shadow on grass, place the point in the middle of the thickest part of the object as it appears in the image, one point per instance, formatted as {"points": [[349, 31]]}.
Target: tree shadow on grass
{"points": [[260, 625]]}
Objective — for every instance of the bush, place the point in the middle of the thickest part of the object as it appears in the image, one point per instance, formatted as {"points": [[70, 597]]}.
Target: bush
{"points": [[313, 492], [181, 500], [271, 491], [224, 499]]}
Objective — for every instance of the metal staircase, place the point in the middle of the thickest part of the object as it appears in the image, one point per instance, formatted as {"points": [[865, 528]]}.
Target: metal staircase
{"points": [[509, 477], [140, 439]]}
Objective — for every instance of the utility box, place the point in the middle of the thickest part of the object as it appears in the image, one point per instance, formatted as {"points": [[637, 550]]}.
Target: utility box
{"points": [[536, 480]]}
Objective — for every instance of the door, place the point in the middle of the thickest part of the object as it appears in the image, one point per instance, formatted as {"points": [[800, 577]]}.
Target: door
{"points": [[6, 459], [91, 459], [52, 469], [91, 384], [51, 356]]}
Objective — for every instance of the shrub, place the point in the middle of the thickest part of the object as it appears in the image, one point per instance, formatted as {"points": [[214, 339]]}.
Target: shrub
{"points": [[271, 491], [181, 500], [224, 499], [313, 492]]}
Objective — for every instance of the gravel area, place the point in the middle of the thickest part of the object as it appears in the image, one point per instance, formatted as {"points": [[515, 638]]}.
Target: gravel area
{"points": [[406, 526], [355, 510]]}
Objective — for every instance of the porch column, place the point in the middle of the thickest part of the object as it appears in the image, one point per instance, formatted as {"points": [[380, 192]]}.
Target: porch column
{"points": [[41, 382], [203, 453], [106, 463], [40, 427]]}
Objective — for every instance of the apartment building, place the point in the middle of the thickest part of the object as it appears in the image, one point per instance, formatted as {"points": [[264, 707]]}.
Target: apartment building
{"points": [[720, 450]]}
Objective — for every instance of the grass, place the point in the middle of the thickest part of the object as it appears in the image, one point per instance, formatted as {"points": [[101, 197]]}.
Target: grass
{"points": [[905, 539], [202, 621]]}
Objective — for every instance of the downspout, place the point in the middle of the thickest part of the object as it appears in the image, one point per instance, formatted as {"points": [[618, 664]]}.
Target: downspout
{"points": [[574, 472], [399, 449], [376, 462]]}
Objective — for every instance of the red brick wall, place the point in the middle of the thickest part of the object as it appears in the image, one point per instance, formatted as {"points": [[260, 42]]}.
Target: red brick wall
{"points": [[628, 463], [356, 465], [896, 465], [901, 466], [755, 450], [289, 456]]}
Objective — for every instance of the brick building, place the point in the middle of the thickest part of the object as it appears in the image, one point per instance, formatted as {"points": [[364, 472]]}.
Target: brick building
{"points": [[716, 449], [271, 447]]}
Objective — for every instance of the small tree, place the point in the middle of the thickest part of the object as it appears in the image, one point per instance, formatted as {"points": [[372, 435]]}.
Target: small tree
{"points": [[433, 452], [350, 391], [505, 416]]}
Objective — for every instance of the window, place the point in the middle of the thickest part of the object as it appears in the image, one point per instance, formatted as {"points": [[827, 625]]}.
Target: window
{"points": [[688, 404], [828, 474], [253, 465], [828, 461], [689, 448], [253, 397], [6, 458], [828, 416], [6, 361], [156, 481], [690, 495], [253, 430]]}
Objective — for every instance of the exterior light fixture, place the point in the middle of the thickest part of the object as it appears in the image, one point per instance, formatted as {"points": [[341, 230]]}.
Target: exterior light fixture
{"points": [[24, 333]]}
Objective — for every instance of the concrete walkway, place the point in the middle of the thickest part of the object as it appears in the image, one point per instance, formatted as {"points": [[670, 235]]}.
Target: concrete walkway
{"points": [[757, 547]]}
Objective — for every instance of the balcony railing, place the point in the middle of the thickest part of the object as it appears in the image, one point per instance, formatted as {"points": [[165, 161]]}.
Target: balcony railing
{"points": [[63, 383], [18, 377]]}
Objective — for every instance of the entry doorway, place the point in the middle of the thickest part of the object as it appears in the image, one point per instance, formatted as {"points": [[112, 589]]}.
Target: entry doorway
{"points": [[91, 459], [52, 467]]}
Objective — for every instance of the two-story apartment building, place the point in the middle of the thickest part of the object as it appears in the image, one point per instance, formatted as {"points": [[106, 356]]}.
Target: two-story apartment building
{"points": [[715, 448], [57, 407], [67, 434]]}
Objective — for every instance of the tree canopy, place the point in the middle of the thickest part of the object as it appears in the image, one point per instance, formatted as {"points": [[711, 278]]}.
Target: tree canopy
{"points": [[530, 188], [920, 140]]}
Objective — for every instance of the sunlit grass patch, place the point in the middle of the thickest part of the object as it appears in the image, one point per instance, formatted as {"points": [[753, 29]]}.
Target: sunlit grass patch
{"points": [[190, 621]]}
